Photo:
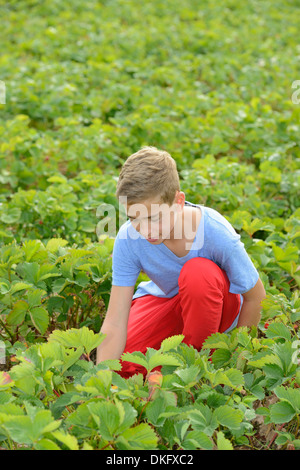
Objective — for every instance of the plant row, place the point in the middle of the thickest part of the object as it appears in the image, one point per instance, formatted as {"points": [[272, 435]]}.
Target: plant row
{"points": [[55, 397]]}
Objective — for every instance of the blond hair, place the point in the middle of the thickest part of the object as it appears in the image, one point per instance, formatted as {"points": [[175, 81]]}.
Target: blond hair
{"points": [[147, 174]]}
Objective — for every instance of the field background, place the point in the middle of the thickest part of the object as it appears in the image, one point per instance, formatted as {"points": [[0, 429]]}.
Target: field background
{"points": [[89, 83]]}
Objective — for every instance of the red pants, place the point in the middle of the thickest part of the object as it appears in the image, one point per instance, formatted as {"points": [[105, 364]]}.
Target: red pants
{"points": [[202, 306]]}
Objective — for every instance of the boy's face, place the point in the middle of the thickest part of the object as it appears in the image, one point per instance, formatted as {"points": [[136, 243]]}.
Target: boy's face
{"points": [[156, 221]]}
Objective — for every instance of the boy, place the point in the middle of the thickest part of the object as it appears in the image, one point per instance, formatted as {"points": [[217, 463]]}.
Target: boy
{"points": [[202, 279]]}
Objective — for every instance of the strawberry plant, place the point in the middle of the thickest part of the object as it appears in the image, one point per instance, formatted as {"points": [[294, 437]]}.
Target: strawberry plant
{"points": [[45, 285], [53, 398]]}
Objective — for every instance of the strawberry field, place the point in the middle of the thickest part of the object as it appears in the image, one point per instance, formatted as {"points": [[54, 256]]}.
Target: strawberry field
{"points": [[82, 87]]}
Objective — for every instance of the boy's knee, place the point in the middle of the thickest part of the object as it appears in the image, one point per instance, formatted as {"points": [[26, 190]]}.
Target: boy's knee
{"points": [[200, 271]]}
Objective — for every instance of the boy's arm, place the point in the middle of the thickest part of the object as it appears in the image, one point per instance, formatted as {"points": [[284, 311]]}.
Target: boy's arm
{"points": [[115, 323], [250, 312]]}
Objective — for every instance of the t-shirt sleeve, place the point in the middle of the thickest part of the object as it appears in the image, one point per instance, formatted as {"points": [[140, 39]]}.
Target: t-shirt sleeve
{"points": [[230, 254], [125, 265]]}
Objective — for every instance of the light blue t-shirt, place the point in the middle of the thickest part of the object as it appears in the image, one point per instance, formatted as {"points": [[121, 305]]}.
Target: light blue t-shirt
{"points": [[215, 239]]}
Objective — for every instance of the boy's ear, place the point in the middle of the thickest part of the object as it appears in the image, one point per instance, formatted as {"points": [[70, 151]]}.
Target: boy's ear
{"points": [[178, 207], [179, 200]]}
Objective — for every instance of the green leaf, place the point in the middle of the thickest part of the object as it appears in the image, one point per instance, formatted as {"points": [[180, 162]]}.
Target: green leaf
{"points": [[82, 279], [46, 444], [4, 286], [30, 271], [200, 440], [57, 179], [283, 438], [218, 144], [107, 418], [289, 253], [23, 375], [59, 285], [197, 419], [67, 439], [282, 412], [12, 216], [291, 395], [262, 358], [278, 330], [188, 375], [5, 397], [285, 352], [27, 430], [17, 315], [154, 409], [228, 416], [141, 437], [258, 391], [159, 359], [222, 442], [221, 357], [34, 297], [55, 243], [274, 371], [216, 340], [113, 364], [99, 385], [137, 358], [82, 421], [202, 418], [234, 378], [71, 357], [263, 411], [46, 271], [112, 419], [73, 338], [40, 318], [59, 405], [231, 377], [171, 343], [181, 429], [270, 172], [244, 338], [16, 286], [127, 415], [34, 250]]}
